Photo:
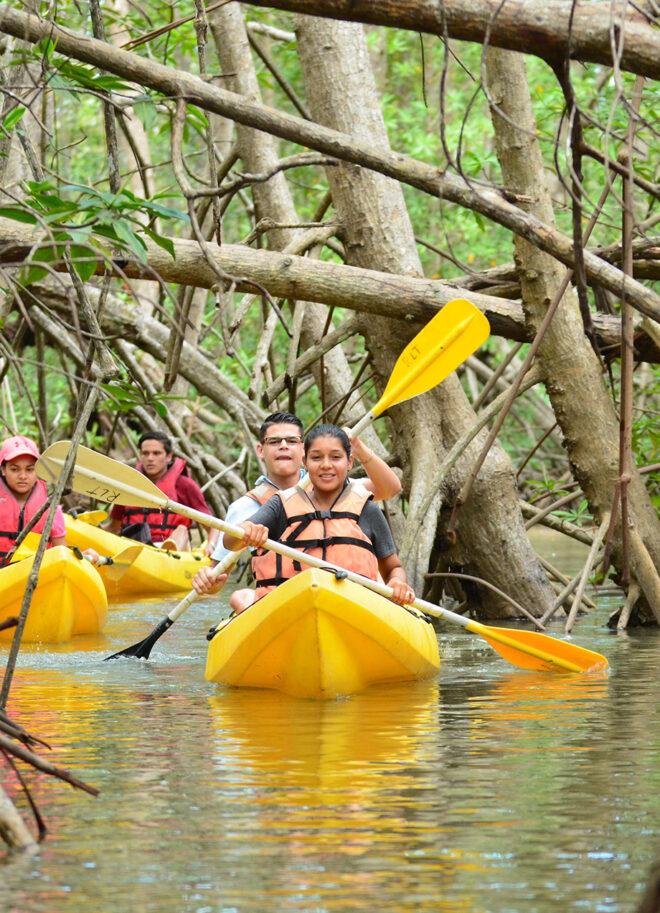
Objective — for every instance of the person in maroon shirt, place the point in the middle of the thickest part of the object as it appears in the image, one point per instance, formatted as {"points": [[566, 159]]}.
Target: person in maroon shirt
{"points": [[163, 528]]}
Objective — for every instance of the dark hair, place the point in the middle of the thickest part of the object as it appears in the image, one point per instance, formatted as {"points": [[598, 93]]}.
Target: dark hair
{"points": [[280, 418], [328, 431], [156, 436]]}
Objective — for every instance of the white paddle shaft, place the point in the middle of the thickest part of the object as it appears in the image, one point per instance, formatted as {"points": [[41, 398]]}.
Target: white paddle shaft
{"points": [[223, 567]]}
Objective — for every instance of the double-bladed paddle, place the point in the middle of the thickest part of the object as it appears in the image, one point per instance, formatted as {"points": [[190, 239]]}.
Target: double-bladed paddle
{"points": [[107, 480], [454, 333]]}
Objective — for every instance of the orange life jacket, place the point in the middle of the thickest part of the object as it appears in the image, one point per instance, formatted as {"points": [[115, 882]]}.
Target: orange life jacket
{"points": [[263, 492], [14, 517], [332, 535], [160, 522]]}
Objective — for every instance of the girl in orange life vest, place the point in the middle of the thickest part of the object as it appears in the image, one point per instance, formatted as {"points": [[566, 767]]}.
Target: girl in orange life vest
{"points": [[281, 448], [352, 532], [22, 494]]}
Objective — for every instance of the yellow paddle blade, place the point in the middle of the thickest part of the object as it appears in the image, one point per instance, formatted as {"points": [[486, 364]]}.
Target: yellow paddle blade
{"points": [[31, 541], [27, 548], [122, 560], [539, 652], [93, 517], [100, 477], [445, 342]]}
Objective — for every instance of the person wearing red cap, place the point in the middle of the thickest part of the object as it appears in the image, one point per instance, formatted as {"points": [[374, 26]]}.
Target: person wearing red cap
{"points": [[22, 494]]}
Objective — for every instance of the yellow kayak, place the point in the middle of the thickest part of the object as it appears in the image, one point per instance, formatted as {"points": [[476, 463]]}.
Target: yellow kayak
{"points": [[69, 598], [319, 637], [153, 573]]}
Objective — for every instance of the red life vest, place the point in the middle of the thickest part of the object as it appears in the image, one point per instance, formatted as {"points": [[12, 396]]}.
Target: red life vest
{"points": [[160, 522], [332, 535], [14, 517]]}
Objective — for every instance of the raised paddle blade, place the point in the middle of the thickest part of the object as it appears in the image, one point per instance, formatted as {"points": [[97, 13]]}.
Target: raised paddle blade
{"points": [[118, 564], [100, 477], [445, 342], [539, 652]]}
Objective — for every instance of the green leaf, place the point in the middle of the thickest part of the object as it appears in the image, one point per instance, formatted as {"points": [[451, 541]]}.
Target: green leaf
{"points": [[145, 111], [166, 243], [128, 237], [18, 215], [166, 211], [90, 79], [83, 261], [48, 254], [13, 118], [197, 116]]}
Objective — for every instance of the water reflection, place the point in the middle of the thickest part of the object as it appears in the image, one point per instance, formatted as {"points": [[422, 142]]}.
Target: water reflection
{"points": [[337, 786], [489, 789]]}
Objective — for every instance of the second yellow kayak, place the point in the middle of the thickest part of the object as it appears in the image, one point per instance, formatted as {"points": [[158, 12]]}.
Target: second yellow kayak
{"points": [[153, 573]]}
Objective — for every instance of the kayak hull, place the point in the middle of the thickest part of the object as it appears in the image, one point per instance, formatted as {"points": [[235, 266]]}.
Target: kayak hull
{"points": [[153, 573], [69, 598], [319, 637]]}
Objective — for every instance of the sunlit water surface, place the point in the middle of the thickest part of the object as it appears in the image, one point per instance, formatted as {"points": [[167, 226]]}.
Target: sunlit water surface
{"points": [[489, 789]]}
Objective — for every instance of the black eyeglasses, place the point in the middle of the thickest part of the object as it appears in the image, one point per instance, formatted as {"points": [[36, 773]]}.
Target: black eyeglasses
{"points": [[276, 441]]}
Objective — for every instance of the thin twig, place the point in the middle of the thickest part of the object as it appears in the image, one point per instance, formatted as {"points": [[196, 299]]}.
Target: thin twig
{"points": [[588, 567]]}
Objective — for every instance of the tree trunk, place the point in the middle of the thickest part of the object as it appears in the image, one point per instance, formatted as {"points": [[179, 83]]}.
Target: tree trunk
{"points": [[573, 376], [259, 154], [377, 233], [13, 829]]}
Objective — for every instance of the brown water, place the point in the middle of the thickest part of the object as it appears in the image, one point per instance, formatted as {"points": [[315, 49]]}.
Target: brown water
{"points": [[489, 790]]}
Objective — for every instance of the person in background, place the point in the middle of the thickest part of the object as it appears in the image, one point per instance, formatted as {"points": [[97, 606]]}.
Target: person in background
{"points": [[161, 527], [21, 496], [290, 449]]}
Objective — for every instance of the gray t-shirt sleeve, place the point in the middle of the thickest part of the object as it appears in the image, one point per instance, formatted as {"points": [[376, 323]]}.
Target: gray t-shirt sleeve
{"points": [[272, 515], [374, 524]]}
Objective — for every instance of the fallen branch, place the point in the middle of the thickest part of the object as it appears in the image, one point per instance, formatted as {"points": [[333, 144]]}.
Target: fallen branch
{"points": [[34, 760]]}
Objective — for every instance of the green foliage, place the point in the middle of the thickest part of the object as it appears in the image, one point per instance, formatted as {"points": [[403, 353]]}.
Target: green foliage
{"points": [[80, 222], [13, 118], [435, 110], [124, 396], [69, 76]]}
